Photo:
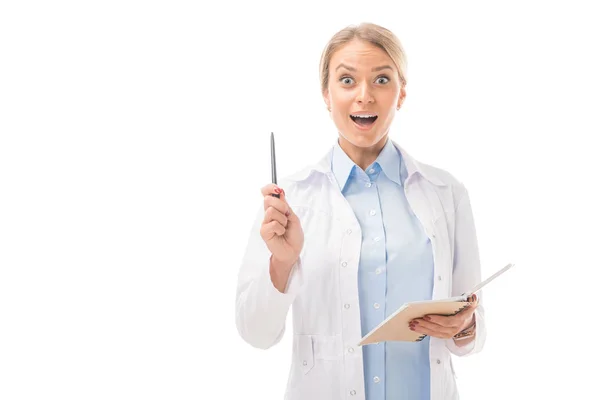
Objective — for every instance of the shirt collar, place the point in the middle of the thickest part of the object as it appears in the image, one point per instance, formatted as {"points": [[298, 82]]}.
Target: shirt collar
{"points": [[409, 166], [389, 159], [341, 165]]}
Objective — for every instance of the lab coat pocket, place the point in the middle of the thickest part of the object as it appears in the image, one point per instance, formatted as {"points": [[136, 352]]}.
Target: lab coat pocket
{"points": [[303, 361], [317, 367], [306, 355]]}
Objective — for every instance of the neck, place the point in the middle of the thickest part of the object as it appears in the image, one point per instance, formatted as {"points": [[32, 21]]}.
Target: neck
{"points": [[362, 156]]}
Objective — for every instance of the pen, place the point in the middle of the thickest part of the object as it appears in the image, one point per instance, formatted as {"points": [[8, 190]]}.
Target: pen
{"points": [[273, 165]]}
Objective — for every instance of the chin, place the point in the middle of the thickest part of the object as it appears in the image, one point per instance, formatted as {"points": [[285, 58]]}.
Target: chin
{"points": [[363, 139]]}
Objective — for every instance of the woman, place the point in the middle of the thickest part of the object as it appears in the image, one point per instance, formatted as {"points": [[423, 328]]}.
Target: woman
{"points": [[353, 237]]}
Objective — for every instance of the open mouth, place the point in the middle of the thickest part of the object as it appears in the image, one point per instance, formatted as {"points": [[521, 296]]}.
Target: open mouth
{"points": [[364, 121]]}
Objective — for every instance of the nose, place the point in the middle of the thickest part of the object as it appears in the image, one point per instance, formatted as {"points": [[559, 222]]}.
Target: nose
{"points": [[364, 94]]}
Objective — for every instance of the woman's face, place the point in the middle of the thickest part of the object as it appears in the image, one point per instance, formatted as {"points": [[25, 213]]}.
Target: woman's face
{"points": [[363, 93]]}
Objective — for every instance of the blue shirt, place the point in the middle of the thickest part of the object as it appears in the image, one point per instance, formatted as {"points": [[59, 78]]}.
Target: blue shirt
{"points": [[396, 266]]}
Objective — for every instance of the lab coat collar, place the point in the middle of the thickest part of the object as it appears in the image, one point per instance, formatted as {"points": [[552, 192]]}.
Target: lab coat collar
{"points": [[413, 166]]}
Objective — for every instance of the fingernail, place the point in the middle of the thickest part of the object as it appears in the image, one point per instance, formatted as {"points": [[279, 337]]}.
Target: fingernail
{"points": [[412, 328], [287, 213], [278, 190], [426, 318], [415, 323]]}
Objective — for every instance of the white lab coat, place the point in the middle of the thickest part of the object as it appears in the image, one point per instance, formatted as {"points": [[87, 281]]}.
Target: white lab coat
{"points": [[322, 289]]}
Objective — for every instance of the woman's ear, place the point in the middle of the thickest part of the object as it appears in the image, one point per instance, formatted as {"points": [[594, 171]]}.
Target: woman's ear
{"points": [[401, 97], [326, 99]]}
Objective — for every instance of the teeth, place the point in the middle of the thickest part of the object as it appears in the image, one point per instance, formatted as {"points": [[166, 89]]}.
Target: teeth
{"points": [[364, 116]]}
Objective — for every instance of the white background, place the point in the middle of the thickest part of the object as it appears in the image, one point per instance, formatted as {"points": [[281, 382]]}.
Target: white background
{"points": [[134, 141]]}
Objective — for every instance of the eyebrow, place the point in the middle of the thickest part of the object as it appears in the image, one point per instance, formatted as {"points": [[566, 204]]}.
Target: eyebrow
{"points": [[372, 70]]}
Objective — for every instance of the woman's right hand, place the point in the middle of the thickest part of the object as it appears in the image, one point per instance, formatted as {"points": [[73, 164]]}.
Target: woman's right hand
{"points": [[281, 229]]}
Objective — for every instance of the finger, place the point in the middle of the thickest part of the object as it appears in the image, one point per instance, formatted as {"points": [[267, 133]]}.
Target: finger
{"points": [[272, 189], [273, 214], [433, 330], [463, 315], [267, 231], [268, 189], [442, 320], [474, 301], [279, 204]]}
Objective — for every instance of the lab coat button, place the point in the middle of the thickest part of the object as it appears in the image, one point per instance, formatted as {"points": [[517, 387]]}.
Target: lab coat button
{"points": [[349, 231], [376, 379], [373, 212], [438, 361], [376, 305], [344, 264], [346, 306], [351, 350], [439, 277], [352, 392]]}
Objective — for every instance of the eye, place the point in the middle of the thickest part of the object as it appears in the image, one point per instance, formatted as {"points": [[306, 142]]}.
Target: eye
{"points": [[382, 80], [346, 80]]}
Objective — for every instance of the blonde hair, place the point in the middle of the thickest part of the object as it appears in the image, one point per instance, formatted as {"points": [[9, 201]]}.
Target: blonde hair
{"points": [[371, 33]]}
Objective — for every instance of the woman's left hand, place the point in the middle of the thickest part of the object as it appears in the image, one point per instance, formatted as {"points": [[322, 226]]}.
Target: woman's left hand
{"points": [[444, 327]]}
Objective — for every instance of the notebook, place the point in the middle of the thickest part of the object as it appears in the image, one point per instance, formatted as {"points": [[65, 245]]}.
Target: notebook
{"points": [[395, 327]]}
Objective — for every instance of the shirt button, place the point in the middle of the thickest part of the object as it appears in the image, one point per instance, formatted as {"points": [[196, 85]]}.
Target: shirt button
{"points": [[346, 306], [376, 239], [351, 350], [378, 271], [368, 184], [376, 305], [344, 264], [373, 212], [371, 170], [376, 379], [352, 392]]}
